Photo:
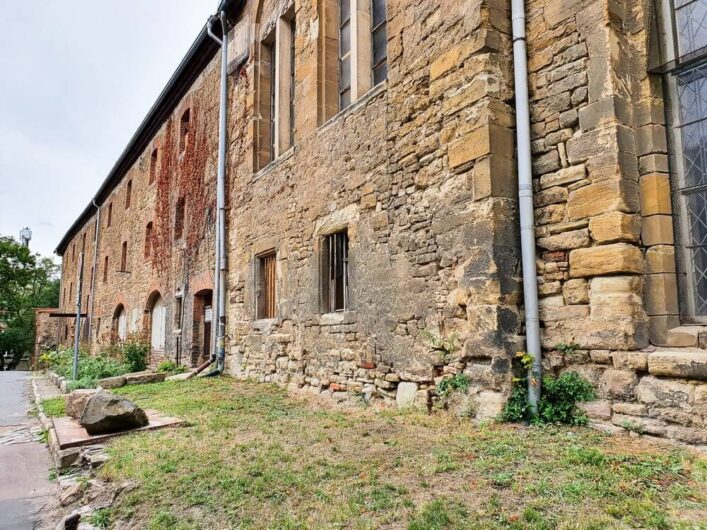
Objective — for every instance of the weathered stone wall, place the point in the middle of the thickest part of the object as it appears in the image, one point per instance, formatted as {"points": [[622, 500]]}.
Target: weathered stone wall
{"points": [[606, 267], [421, 172], [408, 171], [46, 332]]}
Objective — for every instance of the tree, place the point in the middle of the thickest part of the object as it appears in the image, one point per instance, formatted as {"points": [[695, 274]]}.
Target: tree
{"points": [[27, 281]]}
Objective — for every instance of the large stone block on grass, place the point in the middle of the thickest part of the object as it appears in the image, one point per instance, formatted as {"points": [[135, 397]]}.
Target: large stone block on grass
{"points": [[76, 402], [107, 413], [142, 378], [112, 382]]}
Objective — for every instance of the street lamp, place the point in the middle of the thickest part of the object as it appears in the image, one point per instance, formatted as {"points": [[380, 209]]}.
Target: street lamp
{"points": [[25, 236]]}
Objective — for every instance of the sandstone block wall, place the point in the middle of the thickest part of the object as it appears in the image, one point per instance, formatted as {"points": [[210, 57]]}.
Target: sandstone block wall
{"points": [[420, 170]]}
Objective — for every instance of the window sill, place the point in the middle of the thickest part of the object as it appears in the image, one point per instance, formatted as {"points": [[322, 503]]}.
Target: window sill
{"points": [[274, 163], [347, 316], [360, 102]]}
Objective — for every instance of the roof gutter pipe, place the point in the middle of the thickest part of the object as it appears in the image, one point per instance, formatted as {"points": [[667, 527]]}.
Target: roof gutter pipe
{"points": [[92, 287], [525, 201], [221, 264]]}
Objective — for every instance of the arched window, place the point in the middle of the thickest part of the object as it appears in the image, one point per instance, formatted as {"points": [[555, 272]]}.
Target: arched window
{"points": [[120, 323], [156, 308], [124, 257], [184, 130]]}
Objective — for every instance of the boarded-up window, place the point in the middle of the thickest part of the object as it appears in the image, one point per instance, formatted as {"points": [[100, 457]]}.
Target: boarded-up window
{"points": [[179, 219], [128, 194], [178, 309], [124, 257], [265, 301], [148, 239], [335, 272], [153, 165]]}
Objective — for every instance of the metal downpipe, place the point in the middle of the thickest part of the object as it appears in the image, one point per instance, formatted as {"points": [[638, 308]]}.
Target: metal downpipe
{"points": [[220, 266], [525, 201], [89, 322]]}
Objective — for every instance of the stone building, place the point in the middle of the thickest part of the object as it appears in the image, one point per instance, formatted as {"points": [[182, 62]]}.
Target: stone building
{"points": [[372, 225]]}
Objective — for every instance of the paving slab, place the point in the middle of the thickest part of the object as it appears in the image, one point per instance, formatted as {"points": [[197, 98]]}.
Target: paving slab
{"points": [[69, 432]]}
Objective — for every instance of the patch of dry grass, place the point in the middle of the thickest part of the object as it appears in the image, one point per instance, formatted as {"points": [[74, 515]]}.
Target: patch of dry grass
{"points": [[255, 458]]}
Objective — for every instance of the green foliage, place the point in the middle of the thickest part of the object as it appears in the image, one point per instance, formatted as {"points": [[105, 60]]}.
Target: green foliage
{"points": [[558, 400], [171, 367], [100, 518], [443, 347], [456, 383], [91, 368], [27, 281], [54, 407], [136, 355], [567, 349]]}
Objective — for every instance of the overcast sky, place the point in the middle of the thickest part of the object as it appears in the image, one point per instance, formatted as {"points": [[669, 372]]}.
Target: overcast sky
{"points": [[76, 79]]}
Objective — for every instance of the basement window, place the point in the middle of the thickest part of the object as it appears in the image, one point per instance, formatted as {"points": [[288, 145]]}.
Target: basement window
{"points": [[128, 194], [153, 165], [265, 285], [124, 257], [184, 130], [335, 272], [179, 219]]}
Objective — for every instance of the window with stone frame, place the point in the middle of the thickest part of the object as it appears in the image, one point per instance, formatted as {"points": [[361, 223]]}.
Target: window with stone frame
{"points": [[379, 41], [124, 257], [265, 138], [335, 272], [352, 52], [184, 130], [265, 285], [684, 52], [154, 161], [179, 214], [128, 194], [148, 240]]}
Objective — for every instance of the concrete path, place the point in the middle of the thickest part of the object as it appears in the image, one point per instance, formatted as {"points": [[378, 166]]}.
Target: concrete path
{"points": [[24, 461]]}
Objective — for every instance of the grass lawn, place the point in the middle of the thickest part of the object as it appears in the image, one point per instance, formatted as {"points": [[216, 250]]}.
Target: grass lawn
{"points": [[54, 407], [255, 458]]}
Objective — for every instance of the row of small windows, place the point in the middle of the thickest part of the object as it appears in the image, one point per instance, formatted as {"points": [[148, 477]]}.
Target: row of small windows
{"points": [[334, 278]]}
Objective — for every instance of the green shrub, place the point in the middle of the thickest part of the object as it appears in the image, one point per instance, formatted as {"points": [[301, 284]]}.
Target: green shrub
{"points": [[91, 368], [558, 399], [171, 367], [456, 383], [136, 354], [54, 407]]}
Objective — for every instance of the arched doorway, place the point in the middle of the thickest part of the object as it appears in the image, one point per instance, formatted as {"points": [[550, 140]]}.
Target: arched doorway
{"points": [[157, 312], [201, 331], [120, 323]]}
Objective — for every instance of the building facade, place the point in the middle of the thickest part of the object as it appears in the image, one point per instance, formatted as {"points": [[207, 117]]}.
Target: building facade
{"points": [[372, 214]]}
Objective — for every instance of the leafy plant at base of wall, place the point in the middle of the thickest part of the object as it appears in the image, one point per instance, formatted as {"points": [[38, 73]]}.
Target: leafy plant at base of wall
{"points": [[135, 354], [456, 383], [91, 368], [567, 349], [558, 400], [171, 367], [444, 347]]}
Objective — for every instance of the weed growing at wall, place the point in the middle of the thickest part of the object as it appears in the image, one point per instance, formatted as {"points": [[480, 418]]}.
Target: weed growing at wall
{"points": [[558, 400], [136, 354]]}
